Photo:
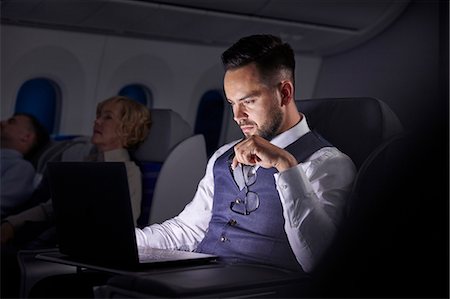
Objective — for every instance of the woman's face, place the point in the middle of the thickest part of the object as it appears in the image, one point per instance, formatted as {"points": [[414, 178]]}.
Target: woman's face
{"points": [[107, 127]]}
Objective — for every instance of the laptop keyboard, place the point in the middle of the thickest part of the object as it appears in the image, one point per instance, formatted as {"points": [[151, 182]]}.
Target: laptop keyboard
{"points": [[153, 254]]}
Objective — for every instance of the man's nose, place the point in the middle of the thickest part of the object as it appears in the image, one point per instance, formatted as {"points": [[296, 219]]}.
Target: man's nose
{"points": [[239, 112]]}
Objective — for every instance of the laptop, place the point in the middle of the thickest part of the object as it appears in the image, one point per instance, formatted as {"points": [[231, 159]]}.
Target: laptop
{"points": [[94, 221]]}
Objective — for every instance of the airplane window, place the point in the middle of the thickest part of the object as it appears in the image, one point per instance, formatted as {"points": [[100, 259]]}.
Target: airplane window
{"points": [[138, 92], [209, 118], [40, 97]]}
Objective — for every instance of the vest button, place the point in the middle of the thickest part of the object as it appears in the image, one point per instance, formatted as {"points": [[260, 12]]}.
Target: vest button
{"points": [[237, 200], [232, 222], [223, 239]]}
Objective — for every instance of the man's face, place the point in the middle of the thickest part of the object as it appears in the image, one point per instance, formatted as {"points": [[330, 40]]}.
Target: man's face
{"points": [[16, 129], [107, 128], [256, 106]]}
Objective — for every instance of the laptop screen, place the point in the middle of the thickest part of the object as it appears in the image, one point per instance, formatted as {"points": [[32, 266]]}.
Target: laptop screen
{"points": [[93, 213], [94, 220]]}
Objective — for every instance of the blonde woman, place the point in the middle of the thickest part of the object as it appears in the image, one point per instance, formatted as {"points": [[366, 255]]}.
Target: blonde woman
{"points": [[121, 124]]}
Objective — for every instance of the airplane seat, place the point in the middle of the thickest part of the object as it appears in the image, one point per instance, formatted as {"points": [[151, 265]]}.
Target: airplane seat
{"points": [[73, 149], [374, 246], [172, 161], [354, 125], [170, 139], [371, 134], [54, 141], [31, 269]]}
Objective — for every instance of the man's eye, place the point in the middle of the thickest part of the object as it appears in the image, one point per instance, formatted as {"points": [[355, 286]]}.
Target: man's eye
{"points": [[248, 102]]}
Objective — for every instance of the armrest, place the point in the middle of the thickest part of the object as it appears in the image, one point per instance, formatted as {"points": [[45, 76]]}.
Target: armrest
{"points": [[212, 280]]}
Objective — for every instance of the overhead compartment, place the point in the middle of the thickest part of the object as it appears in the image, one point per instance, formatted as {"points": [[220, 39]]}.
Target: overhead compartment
{"points": [[311, 27]]}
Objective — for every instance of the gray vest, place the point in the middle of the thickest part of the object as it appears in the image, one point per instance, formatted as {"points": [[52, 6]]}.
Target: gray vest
{"points": [[258, 237]]}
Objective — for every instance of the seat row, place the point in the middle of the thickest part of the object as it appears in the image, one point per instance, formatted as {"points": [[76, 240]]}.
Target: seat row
{"points": [[171, 155], [364, 128]]}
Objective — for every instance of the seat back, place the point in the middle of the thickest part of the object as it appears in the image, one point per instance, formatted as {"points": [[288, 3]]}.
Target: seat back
{"points": [[168, 129], [354, 125], [370, 133], [378, 222], [178, 179], [73, 149], [33, 270], [170, 156]]}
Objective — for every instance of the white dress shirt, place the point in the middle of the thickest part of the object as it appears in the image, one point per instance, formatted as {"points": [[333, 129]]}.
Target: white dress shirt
{"points": [[312, 194]]}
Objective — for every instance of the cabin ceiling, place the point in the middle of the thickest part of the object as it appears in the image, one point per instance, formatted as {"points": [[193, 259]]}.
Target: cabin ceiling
{"points": [[320, 27]]}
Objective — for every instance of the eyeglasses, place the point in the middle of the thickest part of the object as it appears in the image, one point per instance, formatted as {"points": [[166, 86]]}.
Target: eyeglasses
{"points": [[251, 201]]}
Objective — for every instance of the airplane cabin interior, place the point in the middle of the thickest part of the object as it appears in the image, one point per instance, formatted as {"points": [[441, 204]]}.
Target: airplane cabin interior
{"points": [[371, 77]]}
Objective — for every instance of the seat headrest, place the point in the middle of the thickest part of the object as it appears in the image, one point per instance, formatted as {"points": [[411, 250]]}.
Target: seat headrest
{"points": [[167, 130], [354, 125]]}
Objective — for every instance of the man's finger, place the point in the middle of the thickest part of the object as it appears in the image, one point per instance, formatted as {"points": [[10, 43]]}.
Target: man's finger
{"points": [[234, 163]]}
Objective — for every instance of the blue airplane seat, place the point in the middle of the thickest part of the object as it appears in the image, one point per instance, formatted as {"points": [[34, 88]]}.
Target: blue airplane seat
{"points": [[167, 130], [150, 172], [170, 156]]}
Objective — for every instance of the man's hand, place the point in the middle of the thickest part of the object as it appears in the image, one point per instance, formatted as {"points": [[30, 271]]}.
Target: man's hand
{"points": [[6, 232], [256, 150]]}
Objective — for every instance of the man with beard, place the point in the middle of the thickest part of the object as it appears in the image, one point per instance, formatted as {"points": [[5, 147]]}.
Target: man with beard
{"points": [[275, 197]]}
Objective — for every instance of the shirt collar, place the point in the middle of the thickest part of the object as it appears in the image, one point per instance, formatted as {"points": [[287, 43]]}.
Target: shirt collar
{"points": [[287, 137]]}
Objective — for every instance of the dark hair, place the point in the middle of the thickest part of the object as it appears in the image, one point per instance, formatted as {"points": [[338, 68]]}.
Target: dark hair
{"points": [[268, 52], [42, 136]]}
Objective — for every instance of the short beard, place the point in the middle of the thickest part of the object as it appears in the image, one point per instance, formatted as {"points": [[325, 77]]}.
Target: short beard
{"points": [[269, 130]]}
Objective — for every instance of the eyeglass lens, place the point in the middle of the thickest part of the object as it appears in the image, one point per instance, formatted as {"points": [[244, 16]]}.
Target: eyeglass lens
{"points": [[249, 175], [251, 201]]}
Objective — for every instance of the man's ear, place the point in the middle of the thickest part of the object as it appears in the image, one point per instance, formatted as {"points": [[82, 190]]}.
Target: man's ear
{"points": [[287, 92]]}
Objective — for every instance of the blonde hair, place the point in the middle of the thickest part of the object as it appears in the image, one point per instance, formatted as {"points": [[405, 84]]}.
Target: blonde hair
{"points": [[135, 120]]}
